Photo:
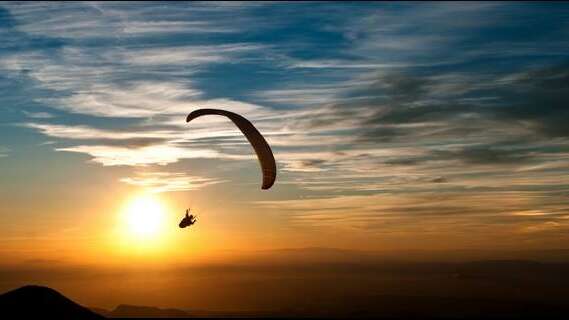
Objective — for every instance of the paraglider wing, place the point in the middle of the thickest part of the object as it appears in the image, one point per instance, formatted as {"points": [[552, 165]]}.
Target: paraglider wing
{"points": [[260, 145]]}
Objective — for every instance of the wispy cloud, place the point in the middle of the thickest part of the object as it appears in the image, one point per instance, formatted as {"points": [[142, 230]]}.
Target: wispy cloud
{"points": [[391, 213], [107, 20], [146, 155], [89, 133], [168, 181], [38, 115], [186, 55]]}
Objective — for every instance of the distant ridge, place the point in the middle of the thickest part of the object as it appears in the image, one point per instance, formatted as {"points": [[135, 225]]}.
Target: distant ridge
{"points": [[128, 311], [37, 302]]}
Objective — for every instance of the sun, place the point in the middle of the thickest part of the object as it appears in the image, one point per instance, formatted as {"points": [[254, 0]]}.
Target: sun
{"points": [[143, 217], [145, 229]]}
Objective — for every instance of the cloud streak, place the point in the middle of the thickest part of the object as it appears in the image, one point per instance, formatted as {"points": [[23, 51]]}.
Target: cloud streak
{"points": [[158, 182]]}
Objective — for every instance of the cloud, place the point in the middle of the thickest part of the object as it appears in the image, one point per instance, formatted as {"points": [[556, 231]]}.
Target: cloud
{"points": [[141, 156], [139, 99], [311, 165], [106, 20], [342, 64], [485, 155], [171, 27], [38, 115], [84, 83], [187, 55], [538, 98], [168, 181], [303, 97], [403, 106], [439, 211], [439, 180], [152, 142], [4, 152], [82, 132]]}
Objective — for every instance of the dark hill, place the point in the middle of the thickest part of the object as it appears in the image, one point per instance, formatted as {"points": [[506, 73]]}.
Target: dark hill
{"points": [[36, 302]]}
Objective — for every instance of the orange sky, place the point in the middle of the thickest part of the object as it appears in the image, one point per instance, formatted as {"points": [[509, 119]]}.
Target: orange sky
{"points": [[394, 127]]}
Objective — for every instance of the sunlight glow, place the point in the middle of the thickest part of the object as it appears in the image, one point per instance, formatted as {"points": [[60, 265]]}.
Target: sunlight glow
{"points": [[144, 217], [146, 231]]}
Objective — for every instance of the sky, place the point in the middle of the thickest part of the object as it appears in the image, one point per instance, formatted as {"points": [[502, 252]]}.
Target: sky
{"points": [[431, 126]]}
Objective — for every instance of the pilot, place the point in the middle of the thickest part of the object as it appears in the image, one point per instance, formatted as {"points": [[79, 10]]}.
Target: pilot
{"points": [[188, 220]]}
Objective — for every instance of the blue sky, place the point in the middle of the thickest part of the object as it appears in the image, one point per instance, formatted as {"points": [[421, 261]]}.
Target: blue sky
{"points": [[381, 115]]}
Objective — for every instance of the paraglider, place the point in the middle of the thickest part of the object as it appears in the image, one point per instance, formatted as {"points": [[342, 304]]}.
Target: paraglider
{"points": [[188, 220], [260, 145]]}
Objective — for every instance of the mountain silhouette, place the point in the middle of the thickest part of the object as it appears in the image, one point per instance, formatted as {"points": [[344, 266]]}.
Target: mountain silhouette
{"points": [[37, 302]]}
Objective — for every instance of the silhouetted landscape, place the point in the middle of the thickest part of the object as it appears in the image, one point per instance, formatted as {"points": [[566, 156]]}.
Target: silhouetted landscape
{"points": [[36, 302], [283, 284]]}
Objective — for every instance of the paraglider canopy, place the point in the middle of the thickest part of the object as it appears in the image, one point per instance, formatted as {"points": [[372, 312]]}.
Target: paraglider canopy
{"points": [[260, 145]]}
